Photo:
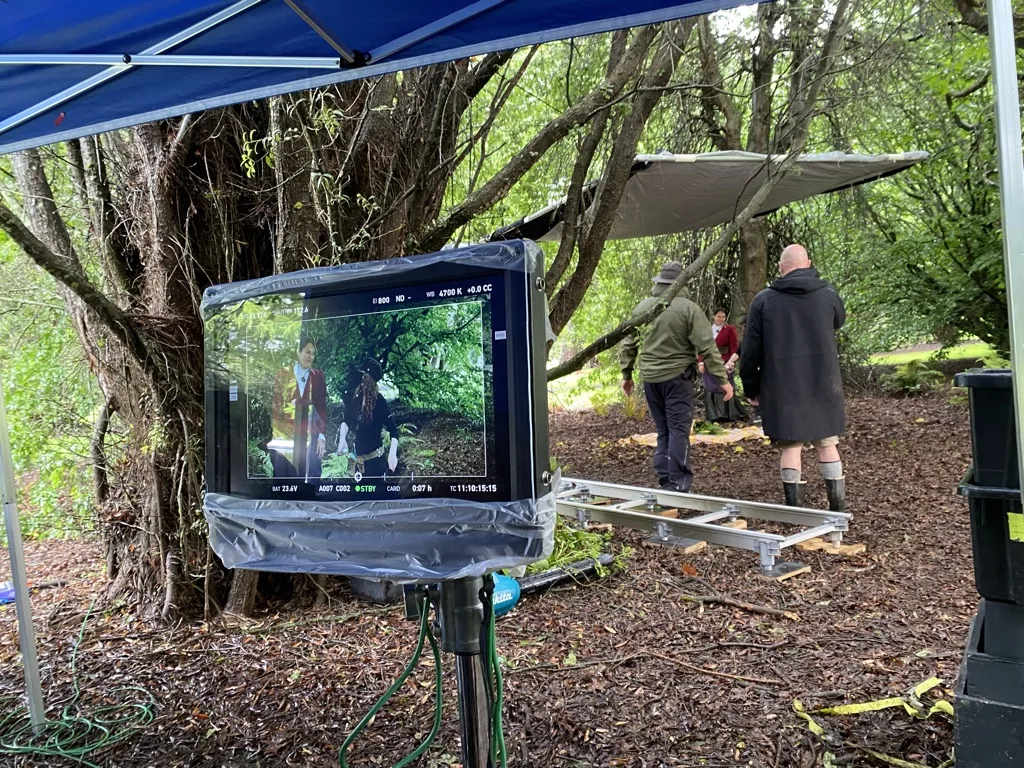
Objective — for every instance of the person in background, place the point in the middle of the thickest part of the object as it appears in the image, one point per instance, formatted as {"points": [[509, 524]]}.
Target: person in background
{"points": [[667, 363], [299, 416], [790, 366], [366, 414], [716, 408]]}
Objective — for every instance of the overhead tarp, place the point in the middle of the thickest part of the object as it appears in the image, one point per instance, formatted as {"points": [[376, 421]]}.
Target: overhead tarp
{"points": [[681, 193], [71, 68]]}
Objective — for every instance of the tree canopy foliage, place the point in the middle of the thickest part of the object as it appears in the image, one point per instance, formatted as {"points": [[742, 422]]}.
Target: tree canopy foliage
{"points": [[50, 400]]}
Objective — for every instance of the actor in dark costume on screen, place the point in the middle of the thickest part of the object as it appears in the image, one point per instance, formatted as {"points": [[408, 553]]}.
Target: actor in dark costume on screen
{"points": [[790, 365], [299, 416], [667, 364], [366, 414], [716, 407]]}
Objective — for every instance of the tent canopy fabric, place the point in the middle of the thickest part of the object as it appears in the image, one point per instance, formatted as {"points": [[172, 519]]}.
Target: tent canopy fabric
{"points": [[680, 193], [70, 68]]}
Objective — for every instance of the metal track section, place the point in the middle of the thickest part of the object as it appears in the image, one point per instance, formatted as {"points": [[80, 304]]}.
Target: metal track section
{"points": [[631, 507]]}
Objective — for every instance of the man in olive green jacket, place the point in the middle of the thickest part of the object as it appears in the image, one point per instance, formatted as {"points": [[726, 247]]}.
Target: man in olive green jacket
{"points": [[668, 361]]}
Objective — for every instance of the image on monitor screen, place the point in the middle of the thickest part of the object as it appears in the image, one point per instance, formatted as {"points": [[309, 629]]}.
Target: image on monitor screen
{"points": [[400, 392], [392, 392]]}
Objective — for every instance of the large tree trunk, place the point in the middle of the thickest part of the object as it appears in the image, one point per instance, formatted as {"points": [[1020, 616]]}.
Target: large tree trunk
{"points": [[242, 598], [753, 270]]}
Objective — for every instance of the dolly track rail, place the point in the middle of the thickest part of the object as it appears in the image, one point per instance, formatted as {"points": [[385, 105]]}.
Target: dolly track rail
{"points": [[632, 507]]}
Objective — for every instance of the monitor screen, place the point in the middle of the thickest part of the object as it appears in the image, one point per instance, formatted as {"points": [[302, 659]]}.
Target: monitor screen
{"points": [[420, 385]]}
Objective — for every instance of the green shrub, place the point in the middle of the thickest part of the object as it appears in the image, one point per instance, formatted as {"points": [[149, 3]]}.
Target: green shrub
{"points": [[635, 408], [994, 360], [259, 461], [334, 466], [913, 378]]}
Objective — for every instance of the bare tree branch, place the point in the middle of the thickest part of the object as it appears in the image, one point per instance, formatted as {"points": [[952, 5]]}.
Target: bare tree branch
{"points": [[499, 185], [714, 96], [971, 17], [486, 69], [574, 203], [62, 261], [178, 147], [600, 218], [750, 209]]}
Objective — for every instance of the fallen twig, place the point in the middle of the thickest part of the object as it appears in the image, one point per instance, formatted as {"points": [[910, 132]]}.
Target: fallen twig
{"points": [[714, 673], [556, 667], [316, 620], [734, 603], [718, 597]]}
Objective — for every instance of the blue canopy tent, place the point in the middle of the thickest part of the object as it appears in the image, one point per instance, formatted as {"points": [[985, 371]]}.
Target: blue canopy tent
{"points": [[70, 68]]}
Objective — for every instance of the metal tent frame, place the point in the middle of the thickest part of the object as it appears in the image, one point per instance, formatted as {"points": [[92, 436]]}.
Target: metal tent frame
{"points": [[444, 38]]}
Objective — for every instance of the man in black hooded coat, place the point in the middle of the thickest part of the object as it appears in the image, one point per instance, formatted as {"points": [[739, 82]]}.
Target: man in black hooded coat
{"points": [[790, 367]]}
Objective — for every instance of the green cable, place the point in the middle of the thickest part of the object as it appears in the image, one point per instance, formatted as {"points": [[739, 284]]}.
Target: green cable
{"points": [[72, 736], [425, 634], [500, 753]]}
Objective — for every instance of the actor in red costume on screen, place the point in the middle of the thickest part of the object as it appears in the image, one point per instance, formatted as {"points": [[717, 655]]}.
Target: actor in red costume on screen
{"points": [[299, 416]]}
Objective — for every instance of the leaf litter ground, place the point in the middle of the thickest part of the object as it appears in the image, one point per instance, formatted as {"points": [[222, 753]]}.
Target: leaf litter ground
{"points": [[624, 672]]}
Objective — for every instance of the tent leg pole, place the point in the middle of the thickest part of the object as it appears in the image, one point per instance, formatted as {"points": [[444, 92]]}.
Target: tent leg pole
{"points": [[1011, 184], [30, 661]]}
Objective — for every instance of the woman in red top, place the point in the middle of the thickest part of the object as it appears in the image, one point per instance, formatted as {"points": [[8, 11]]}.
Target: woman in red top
{"points": [[728, 343]]}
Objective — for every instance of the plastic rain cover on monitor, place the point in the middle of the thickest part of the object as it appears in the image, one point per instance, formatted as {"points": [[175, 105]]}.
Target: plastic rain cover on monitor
{"points": [[385, 420]]}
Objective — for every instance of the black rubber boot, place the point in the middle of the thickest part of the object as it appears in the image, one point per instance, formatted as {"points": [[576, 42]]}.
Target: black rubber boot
{"points": [[794, 493], [836, 490]]}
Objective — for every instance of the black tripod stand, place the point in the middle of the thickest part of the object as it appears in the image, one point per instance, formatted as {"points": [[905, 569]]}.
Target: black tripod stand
{"points": [[463, 616]]}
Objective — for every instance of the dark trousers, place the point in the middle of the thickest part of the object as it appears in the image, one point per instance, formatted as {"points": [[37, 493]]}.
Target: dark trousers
{"points": [[671, 404], [284, 468], [375, 467]]}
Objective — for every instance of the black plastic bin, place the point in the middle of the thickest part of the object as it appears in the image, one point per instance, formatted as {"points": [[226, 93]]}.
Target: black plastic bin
{"points": [[993, 427], [997, 537], [1004, 637], [989, 706]]}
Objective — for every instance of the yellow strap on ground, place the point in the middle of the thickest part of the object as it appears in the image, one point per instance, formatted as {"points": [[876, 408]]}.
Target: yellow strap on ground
{"points": [[816, 729], [910, 702], [890, 760], [942, 706], [867, 706], [922, 688]]}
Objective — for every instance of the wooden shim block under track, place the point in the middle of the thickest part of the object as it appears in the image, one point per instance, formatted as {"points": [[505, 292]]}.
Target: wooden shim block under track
{"points": [[783, 571], [686, 546], [823, 545]]}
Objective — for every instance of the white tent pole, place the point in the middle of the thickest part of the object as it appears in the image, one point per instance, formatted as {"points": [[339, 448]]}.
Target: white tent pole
{"points": [[1011, 184], [21, 599]]}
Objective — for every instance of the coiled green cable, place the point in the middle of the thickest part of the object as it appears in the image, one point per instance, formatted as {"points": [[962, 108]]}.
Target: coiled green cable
{"points": [[72, 736], [425, 634]]}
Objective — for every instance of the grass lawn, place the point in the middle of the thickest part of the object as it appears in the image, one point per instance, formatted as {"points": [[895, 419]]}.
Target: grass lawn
{"points": [[975, 350]]}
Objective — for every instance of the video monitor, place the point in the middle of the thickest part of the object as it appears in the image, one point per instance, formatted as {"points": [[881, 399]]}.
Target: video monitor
{"points": [[421, 378]]}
